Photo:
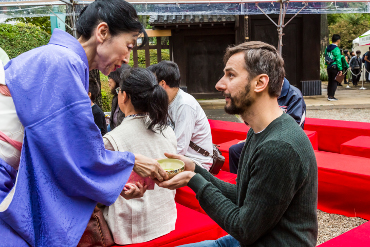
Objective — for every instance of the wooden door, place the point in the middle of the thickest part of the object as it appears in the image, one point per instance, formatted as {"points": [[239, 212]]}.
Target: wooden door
{"points": [[264, 30], [205, 62]]}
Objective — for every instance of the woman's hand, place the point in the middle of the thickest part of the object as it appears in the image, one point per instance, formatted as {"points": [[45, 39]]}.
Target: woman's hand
{"points": [[189, 163], [180, 180], [147, 167], [131, 191]]}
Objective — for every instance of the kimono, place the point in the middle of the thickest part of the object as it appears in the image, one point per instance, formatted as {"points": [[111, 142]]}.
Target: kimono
{"points": [[64, 169]]}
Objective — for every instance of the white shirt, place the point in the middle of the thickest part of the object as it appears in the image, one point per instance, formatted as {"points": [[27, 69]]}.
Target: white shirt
{"points": [[153, 215], [191, 124], [10, 126]]}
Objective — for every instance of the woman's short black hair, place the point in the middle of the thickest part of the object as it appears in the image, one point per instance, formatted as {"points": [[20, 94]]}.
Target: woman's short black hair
{"points": [[118, 14], [167, 71], [146, 96], [116, 75], [93, 89]]}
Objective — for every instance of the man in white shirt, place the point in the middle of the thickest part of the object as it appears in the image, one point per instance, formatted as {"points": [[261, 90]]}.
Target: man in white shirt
{"points": [[189, 120]]}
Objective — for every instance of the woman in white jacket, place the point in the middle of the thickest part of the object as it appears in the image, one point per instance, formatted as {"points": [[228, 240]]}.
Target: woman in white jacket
{"points": [[144, 129]]}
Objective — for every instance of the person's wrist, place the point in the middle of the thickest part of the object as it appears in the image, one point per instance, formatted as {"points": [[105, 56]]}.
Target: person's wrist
{"points": [[190, 176]]}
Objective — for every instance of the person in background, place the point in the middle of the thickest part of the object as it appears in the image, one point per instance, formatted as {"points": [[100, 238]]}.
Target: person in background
{"points": [[347, 58], [186, 115], [352, 54], [356, 64], [274, 202], [367, 65], [334, 67], [145, 130], [116, 115], [291, 102], [99, 117], [344, 65]]}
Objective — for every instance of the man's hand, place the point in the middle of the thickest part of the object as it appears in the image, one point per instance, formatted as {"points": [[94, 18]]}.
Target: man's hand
{"points": [[131, 191], [180, 180], [189, 163], [147, 167], [340, 73]]}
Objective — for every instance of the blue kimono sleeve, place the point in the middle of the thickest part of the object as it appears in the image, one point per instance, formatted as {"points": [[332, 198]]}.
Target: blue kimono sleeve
{"points": [[64, 168]]}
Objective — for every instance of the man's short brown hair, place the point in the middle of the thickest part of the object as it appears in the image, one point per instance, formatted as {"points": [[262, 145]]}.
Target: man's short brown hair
{"points": [[261, 58]]}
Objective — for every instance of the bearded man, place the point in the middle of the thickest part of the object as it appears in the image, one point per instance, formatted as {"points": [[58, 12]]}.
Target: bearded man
{"points": [[275, 198]]}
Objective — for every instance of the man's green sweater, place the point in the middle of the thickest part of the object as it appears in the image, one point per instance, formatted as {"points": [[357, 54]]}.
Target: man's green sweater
{"points": [[275, 199]]}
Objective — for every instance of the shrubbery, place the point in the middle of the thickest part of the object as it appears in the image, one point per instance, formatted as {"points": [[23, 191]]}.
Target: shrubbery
{"points": [[20, 37]]}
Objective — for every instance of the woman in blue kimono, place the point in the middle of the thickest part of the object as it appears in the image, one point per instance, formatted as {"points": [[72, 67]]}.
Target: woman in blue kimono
{"points": [[58, 168]]}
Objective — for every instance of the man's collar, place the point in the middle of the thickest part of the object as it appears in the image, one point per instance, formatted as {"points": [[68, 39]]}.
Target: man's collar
{"points": [[64, 39], [284, 89]]}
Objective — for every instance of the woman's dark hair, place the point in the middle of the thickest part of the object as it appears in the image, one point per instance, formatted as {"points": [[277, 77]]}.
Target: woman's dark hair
{"points": [[345, 52], [116, 76], [167, 71], [118, 14], [146, 96], [93, 89]]}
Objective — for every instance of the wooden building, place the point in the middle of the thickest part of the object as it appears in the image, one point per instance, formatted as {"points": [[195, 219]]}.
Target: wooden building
{"points": [[198, 43]]}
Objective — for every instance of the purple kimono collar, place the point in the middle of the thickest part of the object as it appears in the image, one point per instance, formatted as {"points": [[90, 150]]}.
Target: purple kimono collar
{"points": [[64, 39]]}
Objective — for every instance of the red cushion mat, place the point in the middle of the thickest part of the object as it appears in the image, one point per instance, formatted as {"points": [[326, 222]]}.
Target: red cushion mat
{"points": [[344, 184], [314, 139], [360, 146], [358, 237], [223, 131], [191, 227], [224, 148], [186, 196], [332, 133]]}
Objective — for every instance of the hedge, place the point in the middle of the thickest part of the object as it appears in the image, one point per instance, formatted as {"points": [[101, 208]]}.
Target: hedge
{"points": [[20, 37]]}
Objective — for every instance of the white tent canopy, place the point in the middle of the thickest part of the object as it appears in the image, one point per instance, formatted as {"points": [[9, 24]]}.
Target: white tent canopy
{"points": [[28, 8], [363, 39]]}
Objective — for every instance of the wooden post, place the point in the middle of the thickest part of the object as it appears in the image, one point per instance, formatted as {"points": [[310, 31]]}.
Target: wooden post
{"points": [[135, 57], [147, 55], [159, 49]]}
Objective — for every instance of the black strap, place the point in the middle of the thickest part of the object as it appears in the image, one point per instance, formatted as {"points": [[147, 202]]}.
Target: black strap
{"points": [[200, 150]]}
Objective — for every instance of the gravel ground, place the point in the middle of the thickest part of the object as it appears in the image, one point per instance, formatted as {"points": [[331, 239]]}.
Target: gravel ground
{"points": [[359, 115], [333, 225]]}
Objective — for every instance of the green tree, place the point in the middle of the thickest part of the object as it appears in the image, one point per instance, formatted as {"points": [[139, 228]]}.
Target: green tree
{"points": [[21, 37], [42, 22], [349, 27]]}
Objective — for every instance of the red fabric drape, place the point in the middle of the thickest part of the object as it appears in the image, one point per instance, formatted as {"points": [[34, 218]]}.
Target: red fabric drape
{"points": [[333, 133], [191, 227], [360, 146], [344, 184]]}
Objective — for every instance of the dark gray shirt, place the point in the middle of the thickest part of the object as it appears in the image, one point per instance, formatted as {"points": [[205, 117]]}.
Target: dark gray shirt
{"points": [[275, 199]]}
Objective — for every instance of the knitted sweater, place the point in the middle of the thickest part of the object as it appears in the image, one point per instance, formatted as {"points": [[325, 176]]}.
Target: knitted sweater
{"points": [[275, 199]]}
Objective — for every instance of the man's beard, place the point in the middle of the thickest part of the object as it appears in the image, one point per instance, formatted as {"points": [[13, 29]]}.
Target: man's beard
{"points": [[240, 103]]}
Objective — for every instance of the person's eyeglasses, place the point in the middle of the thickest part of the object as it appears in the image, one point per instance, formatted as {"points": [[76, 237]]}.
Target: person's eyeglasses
{"points": [[118, 89]]}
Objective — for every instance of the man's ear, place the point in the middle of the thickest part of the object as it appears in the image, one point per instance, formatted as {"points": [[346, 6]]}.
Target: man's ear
{"points": [[89, 95], [261, 83], [163, 84]]}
